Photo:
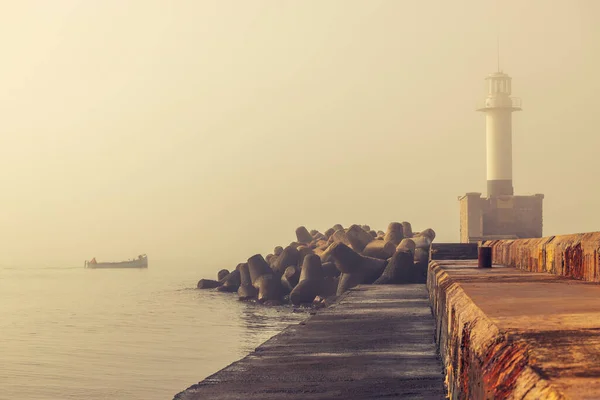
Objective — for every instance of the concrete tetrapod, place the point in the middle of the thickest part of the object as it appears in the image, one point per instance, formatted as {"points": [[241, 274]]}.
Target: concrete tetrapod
{"points": [[379, 249], [325, 254], [258, 267], [269, 288], [303, 235], [222, 274], [407, 229], [207, 284], [329, 286], [246, 291], [231, 283], [407, 244], [264, 279], [358, 238], [421, 260], [421, 242], [329, 269], [303, 251], [340, 237], [270, 258], [290, 278], [319, 236], [311, 281], [288, 257], [430, 233], [355, 268], [399, 270], [394, 233]]}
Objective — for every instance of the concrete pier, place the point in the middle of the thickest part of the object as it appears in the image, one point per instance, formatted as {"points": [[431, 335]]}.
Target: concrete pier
{"points": [[375, 342], [508, 333]]}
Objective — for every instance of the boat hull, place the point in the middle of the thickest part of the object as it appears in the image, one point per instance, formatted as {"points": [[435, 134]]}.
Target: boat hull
{"points": [[143, 263]]}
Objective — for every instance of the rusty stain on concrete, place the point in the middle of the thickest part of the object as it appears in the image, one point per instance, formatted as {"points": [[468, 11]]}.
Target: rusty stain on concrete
{"points": [[521, 335], [573, 256]]}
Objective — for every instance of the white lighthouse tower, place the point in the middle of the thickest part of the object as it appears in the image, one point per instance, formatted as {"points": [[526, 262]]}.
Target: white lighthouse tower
{"points": [[498, 109], [501, 214]]}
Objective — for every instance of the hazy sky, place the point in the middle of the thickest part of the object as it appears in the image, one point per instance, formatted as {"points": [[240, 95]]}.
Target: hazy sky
{"points": [[212, 129]]}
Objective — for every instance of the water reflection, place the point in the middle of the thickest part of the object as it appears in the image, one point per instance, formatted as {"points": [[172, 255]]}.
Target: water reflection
{"points": [[119, 334]]}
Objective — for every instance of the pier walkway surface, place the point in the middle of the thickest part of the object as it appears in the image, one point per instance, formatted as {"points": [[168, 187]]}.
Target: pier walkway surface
{"points": [[505, 332], [376, 341]]}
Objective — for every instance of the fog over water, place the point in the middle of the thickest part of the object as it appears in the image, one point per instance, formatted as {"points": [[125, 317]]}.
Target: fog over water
{"points": [[211, 129], [202, 132], [74, 333]]}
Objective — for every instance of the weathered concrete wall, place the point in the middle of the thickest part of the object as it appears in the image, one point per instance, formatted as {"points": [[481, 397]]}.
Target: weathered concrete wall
{"points": [[574, 256], [481, 360]]}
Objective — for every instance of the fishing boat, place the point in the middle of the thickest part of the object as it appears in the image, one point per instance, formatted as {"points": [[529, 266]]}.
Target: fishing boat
{"points": [[140, 262]]}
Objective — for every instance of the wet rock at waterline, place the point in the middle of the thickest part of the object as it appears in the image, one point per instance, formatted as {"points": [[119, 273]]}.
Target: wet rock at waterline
{"points": [[222, 274], [207, 284], [246, 291], [311, 281], [269, 288], [257, 266], [231, 283]]}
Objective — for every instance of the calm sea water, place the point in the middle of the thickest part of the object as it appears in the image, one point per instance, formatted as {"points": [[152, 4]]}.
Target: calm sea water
{"points": [[75, 333]]}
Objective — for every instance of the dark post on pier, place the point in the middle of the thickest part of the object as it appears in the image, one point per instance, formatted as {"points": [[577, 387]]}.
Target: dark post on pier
{"points": [[484, 257]]}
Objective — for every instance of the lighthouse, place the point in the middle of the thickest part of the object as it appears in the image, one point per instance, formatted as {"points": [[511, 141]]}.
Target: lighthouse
{"points": [[501, 214], [498, 109]]}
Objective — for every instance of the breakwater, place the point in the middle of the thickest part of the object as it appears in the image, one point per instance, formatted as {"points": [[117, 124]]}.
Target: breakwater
{"points": [[574, 256], [375, 342], [527, 328], [319, 266]]}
